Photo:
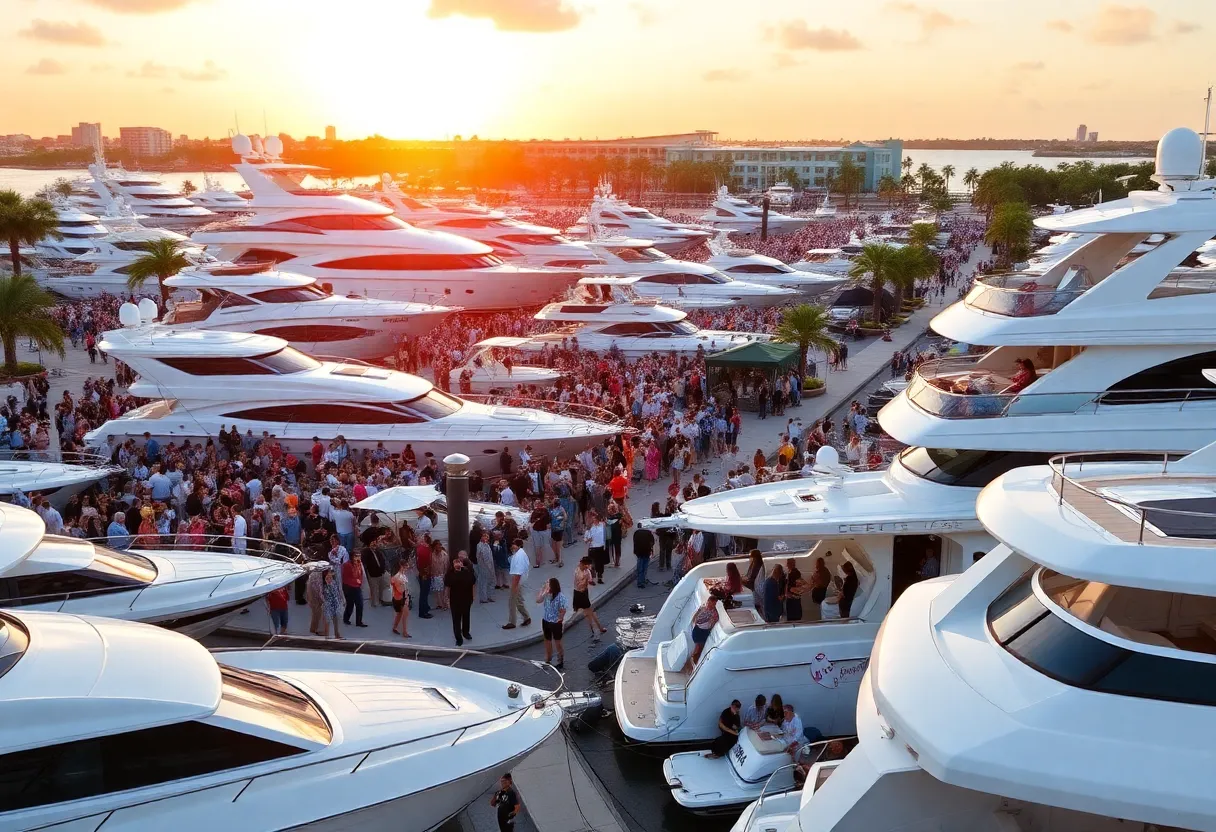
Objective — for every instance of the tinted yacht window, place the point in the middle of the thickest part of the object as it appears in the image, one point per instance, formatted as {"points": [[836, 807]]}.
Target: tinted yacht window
{"points": [[966, 468], [1174, 380]]}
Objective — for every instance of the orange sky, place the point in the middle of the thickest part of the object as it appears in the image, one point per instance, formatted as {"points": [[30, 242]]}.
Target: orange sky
{"points": [[585, 68]]}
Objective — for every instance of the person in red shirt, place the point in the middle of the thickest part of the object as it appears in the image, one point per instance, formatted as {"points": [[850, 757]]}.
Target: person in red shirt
{"points": [[276, 602], [352, 589], [318, 451], [424, 576], [619, 485]]}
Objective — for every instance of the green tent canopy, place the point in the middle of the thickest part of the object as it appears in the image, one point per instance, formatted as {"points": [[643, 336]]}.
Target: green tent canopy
{"points": [[764, 354]]}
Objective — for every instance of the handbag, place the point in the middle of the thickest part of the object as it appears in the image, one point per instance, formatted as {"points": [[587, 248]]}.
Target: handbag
{"points": [[386, 595]]}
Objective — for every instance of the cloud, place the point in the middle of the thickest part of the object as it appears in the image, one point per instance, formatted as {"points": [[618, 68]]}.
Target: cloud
{"points": [[1059, 26], [1116, 25], [729, 75], [1100, 84], [47, 66], [1029, 66], [100, 67], [140, 6], [785, 60], [1185, 27], [150, 69], [209, 72], [795, 34], [56, 31], [931, 20], [168, 90], [511, 15], [645, 14]]}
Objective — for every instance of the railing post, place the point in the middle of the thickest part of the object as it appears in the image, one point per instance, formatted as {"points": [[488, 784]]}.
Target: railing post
{"points": [[1143, 514]]}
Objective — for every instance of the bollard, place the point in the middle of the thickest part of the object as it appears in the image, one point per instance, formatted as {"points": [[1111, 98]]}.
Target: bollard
{"points": [[456, 466], [764, 218]]}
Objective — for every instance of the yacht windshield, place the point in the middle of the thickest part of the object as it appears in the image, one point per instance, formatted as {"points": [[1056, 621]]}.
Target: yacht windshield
{"points": [[300, 181], [640, 255], [13, 643], [292, 294], [966, 468], [265, 700], [289, 360], [677, 327], [640, 214], [435, 404]]}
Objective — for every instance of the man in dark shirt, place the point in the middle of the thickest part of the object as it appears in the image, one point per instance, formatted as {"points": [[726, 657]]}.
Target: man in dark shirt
{"points": [[460, 581], [643, 548], [848, 590], [504, 462], [729, 726], [507, 801]]}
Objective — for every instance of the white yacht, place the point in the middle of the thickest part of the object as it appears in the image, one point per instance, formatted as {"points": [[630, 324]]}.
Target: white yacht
{"points": [[494, 366], [515, 242], [1001, 699], [781, 195], [217, 199], [831, 261], [680, 282], [611, 216], [78, 232], [826, 210], [891, 526], [203, 380], [105, 267], [745, 264], [117, 724], [732, 213], [633, 327], [192, 591], [1118, 344], [144, 192], [357, 246], [54, 475], [251, 298]]}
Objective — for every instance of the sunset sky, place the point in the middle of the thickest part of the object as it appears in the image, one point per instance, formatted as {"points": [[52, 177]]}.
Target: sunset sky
{"points": [[587, 68]]}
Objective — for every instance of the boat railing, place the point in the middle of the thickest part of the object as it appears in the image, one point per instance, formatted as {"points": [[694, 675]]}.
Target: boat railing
{"points": [[934, 388], [353, 761], [576, 409], [57, 457], [1019, 295], [276, 555], [1065, 484]]}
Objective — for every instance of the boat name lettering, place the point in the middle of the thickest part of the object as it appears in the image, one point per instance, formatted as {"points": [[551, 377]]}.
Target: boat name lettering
{"points": [[397, 319], [924, 525], [832, 674], [739, 754]]}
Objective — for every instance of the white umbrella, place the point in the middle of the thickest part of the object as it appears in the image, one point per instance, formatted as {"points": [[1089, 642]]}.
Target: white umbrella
{"points": [[400, 498]]}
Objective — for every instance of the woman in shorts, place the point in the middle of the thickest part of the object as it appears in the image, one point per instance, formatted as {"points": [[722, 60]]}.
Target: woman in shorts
{"points": [[584, 577], [401, 599], [552, 617]]}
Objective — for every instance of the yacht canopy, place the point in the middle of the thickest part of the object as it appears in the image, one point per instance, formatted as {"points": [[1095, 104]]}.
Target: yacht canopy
{"points": [[238, 282], [400, 498]]}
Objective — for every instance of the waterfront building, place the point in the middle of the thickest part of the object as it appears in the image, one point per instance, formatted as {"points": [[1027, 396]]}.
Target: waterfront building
{"points": [[331, 133], [1093, 135], [86, 134], [1081, 132], [145, 141]]}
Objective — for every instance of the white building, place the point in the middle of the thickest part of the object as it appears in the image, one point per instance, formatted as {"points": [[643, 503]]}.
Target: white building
{"points": [[86, 134], [145, 141]]}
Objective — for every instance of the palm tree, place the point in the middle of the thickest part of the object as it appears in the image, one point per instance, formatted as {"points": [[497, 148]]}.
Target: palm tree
{"points": [[922, 235], [25, 312], [875, 261], [188, 187], [25, 221], [162, 260], [1009, 230], [909, 264], [888, 188], [971, 178], [807, 326], [906, 164], [947, 172], [924, 173]]}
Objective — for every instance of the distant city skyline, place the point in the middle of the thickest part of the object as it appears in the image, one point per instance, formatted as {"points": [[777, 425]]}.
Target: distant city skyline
{"points": [[428, 69]]}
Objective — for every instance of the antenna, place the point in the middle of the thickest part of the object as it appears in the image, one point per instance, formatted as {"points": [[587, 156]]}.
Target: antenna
{"points": [[236, 120], [1207, 119]]}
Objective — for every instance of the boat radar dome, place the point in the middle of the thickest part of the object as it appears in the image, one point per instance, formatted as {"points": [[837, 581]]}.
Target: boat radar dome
{"points": [[147, 310], [274, 146], [241, 145], [128, 314], [257, 147], [827, 457], [1179, 156]]}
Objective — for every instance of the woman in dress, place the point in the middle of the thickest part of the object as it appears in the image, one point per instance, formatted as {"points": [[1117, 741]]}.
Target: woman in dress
{"points": [[332, 604], [703, 621], [614, 525], [651, 471], [400, 583], [755, 569], [439, 567], [485, 569]]}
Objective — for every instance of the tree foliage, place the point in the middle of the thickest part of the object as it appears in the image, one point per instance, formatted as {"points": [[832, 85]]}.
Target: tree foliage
{"points": [[162, 260], [25, 312], [25, 221], [807, 326]]}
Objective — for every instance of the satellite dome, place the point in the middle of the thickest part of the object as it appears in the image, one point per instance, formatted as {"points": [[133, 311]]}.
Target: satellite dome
{"points": [[827, 457], [1179, 154], [241, 145], [258, 148], [274, 146], [128, 314], [147, 310]]}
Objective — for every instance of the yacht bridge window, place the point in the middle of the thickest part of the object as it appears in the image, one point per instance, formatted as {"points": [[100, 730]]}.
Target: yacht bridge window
{"points": [[109, 571], [414, 262], [433, 405], [649, 328], [291, 294], [283, 362], [263, 255], [1098, 637], [966, 468], [1178, 380], [639, 255], [759, 268]]}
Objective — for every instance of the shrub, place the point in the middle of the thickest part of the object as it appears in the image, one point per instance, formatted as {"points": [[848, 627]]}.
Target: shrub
{"points": [[812, 383]]}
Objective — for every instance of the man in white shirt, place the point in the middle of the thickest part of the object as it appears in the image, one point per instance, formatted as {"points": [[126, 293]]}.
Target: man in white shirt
{"points": [[791, 730], [322, 502], [507, 496], [51, 516], [239, 532], [519, 578], [254, 487], [344, 525], [753, 715]]}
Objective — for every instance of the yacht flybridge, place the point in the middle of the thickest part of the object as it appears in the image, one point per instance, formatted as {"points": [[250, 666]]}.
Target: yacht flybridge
{"points": [[611, 216], [218, 199], [54, 475], [182, 589], [515, 242], [680, 282], [116, 724], [891, 526], [492, 367], [618, 320], [732, 213], [241, 298], [357, 246], [203, 380], [78, 231], [1003, 699], [1118, 344], [745, 264]]}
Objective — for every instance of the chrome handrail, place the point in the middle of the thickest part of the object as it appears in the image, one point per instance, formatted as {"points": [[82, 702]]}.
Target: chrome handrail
{"points": [[1059, 479], [577, 409], [82, 458], [1005, 294]]}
